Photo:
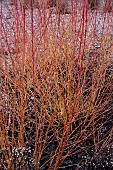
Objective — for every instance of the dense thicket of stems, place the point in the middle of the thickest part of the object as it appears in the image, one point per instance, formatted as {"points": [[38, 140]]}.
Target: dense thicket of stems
{"points": [[56, 81]]}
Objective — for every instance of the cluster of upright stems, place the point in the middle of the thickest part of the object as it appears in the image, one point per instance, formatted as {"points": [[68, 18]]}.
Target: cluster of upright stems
{"points": [[62, 5]]}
